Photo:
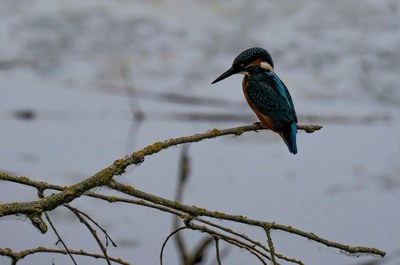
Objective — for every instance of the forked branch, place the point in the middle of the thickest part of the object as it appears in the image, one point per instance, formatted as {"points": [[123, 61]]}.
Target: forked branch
{"points": [[194, 217], [105, 176]]}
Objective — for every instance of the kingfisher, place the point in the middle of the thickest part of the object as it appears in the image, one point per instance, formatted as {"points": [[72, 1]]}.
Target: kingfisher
{"points": [[266, 94]]}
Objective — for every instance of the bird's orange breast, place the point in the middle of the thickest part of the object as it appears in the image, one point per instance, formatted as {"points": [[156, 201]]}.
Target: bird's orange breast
{"points": [[266, 121]]}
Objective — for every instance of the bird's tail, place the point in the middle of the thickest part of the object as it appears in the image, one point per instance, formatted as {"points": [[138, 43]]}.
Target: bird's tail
{"points": [[289, 136]]}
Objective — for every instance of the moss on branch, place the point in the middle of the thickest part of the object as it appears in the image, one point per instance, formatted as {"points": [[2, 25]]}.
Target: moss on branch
{"points": [[105, 176]]}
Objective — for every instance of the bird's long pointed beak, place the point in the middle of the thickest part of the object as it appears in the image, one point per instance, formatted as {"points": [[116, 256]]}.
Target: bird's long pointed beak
{"points": [[228, 73]]}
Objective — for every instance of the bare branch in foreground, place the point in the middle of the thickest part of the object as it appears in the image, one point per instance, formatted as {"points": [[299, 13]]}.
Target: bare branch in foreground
{"points": [[195, 211], [16, 256], [191, 215], [106, 175]]}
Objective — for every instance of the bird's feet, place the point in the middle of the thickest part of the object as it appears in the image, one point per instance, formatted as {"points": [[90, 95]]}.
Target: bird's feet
{"points": [[258, 124]]}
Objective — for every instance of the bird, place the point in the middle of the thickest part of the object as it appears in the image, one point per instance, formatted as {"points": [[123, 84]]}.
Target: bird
{"points": [[266, 94]]}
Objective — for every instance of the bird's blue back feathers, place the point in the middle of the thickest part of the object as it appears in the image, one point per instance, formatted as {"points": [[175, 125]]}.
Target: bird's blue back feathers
{"points": [[289, 136], [271, 98]]}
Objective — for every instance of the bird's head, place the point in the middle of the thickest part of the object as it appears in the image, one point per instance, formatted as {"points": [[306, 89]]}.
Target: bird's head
{"points": [[246, 60]]}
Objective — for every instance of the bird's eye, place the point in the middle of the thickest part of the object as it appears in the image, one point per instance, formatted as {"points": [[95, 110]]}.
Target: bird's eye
{"points": [[241, 65]]}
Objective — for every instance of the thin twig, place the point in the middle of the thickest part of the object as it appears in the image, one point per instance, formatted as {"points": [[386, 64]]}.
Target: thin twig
{"points": [[216, 240], [91, 230], [59, 238], [166, 240], [234, 241], [271, 245], [245, 237], [107, 236]]}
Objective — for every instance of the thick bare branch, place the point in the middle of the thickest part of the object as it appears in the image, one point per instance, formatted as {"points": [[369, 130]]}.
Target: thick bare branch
{"points": [[195, 211], [16, 256], [104, 176]]}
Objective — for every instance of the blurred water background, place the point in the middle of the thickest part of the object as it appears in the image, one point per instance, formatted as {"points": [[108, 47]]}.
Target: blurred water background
{"points": [[83, 83]]}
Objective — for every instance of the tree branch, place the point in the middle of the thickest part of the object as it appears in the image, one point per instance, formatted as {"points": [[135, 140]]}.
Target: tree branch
{"points": [[195, 211], [64, 195], [16, 256], [104, 176]]}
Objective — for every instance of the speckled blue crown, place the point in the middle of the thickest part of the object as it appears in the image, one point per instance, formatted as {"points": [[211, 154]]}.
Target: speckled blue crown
{"points": [[250, 55]]}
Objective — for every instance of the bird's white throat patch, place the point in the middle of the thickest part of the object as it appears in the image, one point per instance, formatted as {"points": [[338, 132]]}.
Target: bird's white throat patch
{"points": [[266, 66]]}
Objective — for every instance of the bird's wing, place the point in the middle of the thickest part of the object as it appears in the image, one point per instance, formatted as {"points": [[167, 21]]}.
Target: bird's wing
{"points": [[271, 97]]}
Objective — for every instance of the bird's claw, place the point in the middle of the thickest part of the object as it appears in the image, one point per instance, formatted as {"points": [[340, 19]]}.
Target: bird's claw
{"points": [[258, 124]]}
